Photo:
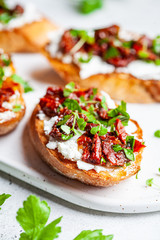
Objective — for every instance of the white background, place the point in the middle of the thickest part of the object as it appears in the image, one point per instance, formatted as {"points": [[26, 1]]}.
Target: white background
{"points": [[137, 15]]}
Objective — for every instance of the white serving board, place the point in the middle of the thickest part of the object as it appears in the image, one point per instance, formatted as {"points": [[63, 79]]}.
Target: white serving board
{"points": [[18, 158]]}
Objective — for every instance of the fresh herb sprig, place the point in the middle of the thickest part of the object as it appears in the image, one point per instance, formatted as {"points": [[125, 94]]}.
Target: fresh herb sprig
{"points": [[88, 6], [25, 84], [33, 218], [3, 198], [128, 152], [157, 133], [93, 235]]}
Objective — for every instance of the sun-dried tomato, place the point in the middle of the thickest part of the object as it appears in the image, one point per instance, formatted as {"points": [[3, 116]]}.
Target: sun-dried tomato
{"points": [[121, 130]]}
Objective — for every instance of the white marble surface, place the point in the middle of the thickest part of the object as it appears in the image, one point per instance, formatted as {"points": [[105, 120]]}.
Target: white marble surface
{"points": [[136, 15]]}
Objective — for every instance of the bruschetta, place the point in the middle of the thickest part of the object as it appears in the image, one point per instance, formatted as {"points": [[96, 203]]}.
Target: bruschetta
{"points": [[83, 135], [12, 106], [22, 28], [125, 65]]}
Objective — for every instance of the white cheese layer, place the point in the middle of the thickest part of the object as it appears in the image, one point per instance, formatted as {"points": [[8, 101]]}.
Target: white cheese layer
{"points": [[69, 149], [96, 65], [7, 115], [30, 15]]}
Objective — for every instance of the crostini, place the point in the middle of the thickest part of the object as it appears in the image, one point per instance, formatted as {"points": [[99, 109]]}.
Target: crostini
{"points": [[85, 136], [12, 106], [125, 65], [22, 28]]}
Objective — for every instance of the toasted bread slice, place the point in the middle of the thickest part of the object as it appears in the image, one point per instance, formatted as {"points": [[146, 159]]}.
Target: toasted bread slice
{"points": [[7, 125], [109, 177], [28, 38], [118, 85]]}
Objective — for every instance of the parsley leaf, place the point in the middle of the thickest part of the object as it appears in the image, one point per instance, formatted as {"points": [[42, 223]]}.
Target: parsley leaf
{"points": [[131, 141], [112, 52], [117, 147], [69, 88], [137, 173], [93, 235], [6, 17], [103, 103], [149, 182], [3, 198], [64, 120], [81, 123], [19, 80], [102, 131], [88, 6], [94, 130], [72, 105], [5, 60], [85, 60], [82, 34], [157, 134], [156, 45], [17, 108], [66, 137], [129, 154], [33, 218], [143, 54]]}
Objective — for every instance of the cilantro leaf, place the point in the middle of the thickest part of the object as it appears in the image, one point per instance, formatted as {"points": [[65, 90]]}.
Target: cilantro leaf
{"points": [[6, 17], [3, 198], [112, 52], [5, 60], [69, 88], [19, 80], [88, 6], [72, 104], [117, 147], [33, 218], [129, 154], [93, 235], [66, 129], [157, 134]]}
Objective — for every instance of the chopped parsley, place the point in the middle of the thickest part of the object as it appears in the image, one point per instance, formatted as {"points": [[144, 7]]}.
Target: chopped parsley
{"points": [[112, 52], [128, 152], [157, 134], [69, 88], [3, 198], [24, 84], [82, 34]]}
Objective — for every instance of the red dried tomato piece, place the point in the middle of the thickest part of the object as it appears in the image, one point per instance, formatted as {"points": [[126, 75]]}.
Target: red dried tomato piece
{"points": [[121, 130], [96, 150], [67, 42], [138, 145], [115, 158]]}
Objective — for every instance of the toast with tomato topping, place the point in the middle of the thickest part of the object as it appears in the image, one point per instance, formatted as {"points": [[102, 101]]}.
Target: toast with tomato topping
{"points": [[12, 106], [81, 134], [125, 65], [23, 29]]}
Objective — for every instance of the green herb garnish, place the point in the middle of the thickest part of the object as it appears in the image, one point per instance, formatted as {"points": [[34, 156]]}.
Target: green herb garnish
{"points": [[69, 88], [157, 134], [17, 108], [82, 34], [103, 103], [131, 141], [3, 198], [143, 54], [19, 80], [33, 218], [112, 52], [117, 147], [81, 124], [156, 45], [88, 6], [129, 154], [85, 60], [66, 129], [138, 173], [72, 105], [93, 235]]}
